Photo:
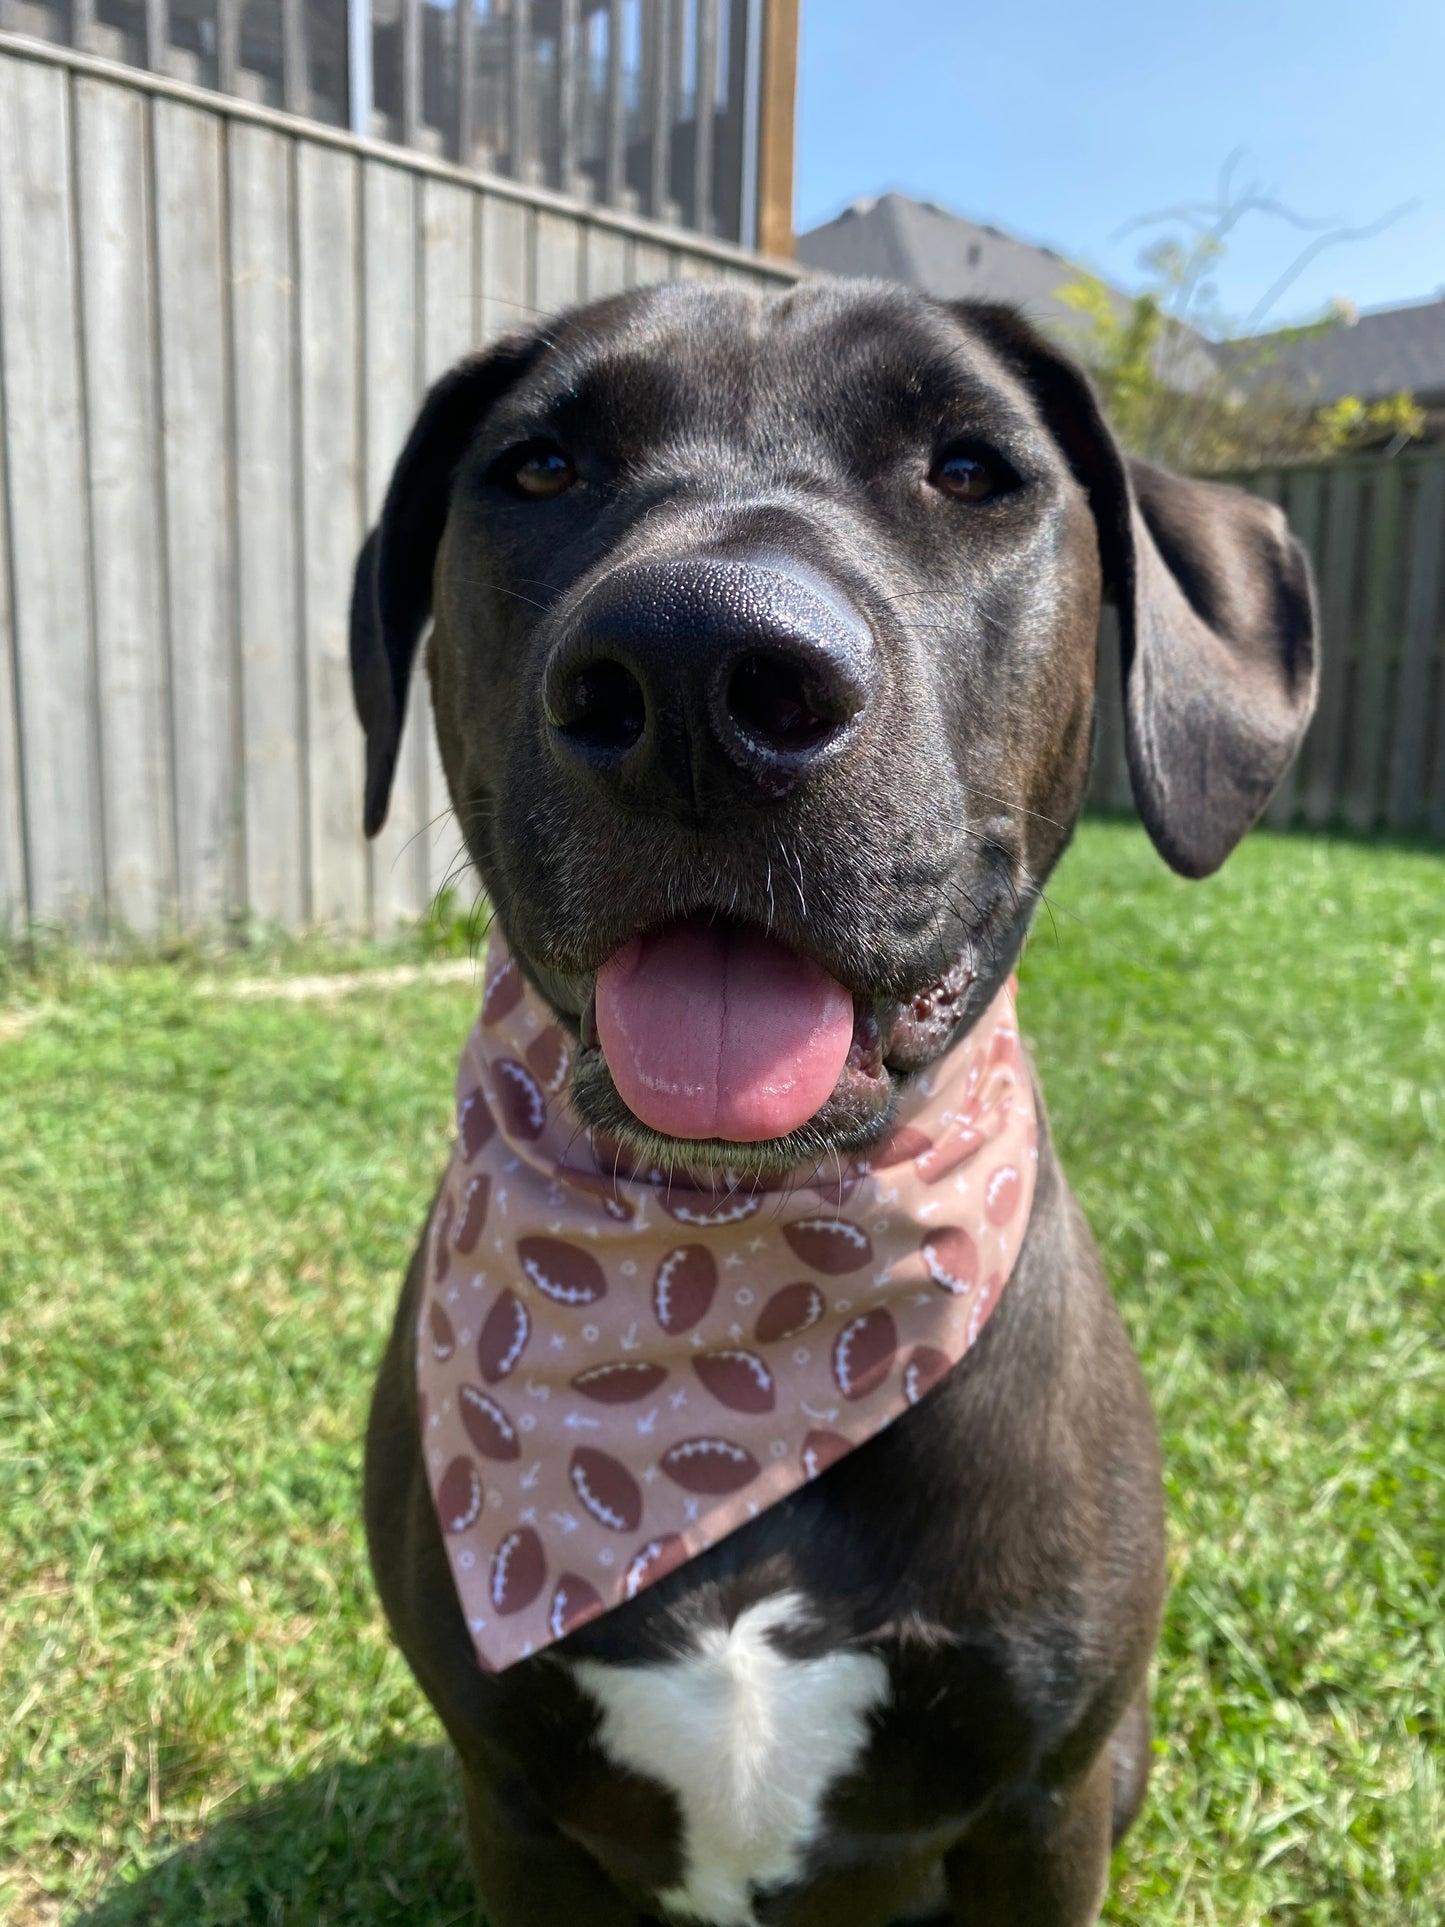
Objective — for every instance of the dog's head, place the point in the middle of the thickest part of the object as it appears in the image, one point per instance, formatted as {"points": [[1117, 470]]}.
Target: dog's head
{"points": [[763, 669]]}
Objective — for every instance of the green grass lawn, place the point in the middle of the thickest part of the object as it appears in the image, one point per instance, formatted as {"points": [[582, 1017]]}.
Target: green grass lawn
{"points": [[205, 1207]]}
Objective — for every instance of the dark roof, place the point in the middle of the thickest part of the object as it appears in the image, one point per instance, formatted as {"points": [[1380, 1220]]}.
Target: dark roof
{"points": [[1377, 355], [917, 242], [955, 259]]}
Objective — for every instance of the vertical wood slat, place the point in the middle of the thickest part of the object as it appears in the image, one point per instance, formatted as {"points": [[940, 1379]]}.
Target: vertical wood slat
{"points": [[327, 184], [45, 460], [228, 44], [125, 502], [157, 31], [557, 274], [191, 282], [1407, 800], [410, 71], [14, 891], [399, 883], [267, 526], [295, 82], [776, 128], [1367, 719], [466, 17], [519, 130], [1327, 735], [568, 28], [507, 250], [660, 160], [704, 114], [1303, 497], [604, 262], [448, 330], [615, 162], [651, 262]]}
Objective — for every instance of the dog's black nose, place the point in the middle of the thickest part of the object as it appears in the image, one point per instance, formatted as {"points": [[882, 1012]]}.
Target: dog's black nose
{"points": [[674, 680]]}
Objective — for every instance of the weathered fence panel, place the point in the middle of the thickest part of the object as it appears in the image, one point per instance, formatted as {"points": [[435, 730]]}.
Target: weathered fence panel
{"points": [[1374, 757], [216, 324]]}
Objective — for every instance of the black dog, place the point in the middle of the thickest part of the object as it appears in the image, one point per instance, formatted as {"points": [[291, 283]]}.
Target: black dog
{"points": [[938, 482]]}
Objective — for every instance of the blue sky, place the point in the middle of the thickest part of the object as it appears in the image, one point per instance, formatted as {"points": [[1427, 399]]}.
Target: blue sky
{"points": [[1062, 120]]}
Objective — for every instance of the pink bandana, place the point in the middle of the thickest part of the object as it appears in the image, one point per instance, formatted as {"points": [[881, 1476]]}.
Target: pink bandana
{"points": [[614, 1370]]}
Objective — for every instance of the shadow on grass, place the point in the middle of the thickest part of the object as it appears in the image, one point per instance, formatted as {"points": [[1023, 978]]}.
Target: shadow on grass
{"points": [[375, 1844]]}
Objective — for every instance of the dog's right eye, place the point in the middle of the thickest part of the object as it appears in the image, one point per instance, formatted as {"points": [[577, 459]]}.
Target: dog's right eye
{"points": [[537, 471]]}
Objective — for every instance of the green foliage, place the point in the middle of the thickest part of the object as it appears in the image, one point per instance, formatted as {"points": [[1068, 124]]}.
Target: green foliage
{"points": [[1170, 399], [208, 1203]]}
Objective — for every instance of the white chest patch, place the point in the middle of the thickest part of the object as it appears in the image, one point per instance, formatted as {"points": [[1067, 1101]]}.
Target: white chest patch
{"points": [[749, 1742]]}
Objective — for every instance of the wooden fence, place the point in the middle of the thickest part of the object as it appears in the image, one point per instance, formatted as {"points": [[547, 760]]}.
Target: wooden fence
{"points": [[215, 324], [681, 109], [1374, 758]]}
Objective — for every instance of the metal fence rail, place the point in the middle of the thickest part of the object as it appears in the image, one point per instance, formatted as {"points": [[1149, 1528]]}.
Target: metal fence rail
{"points": [[653, 106], [1374, 758], [215, 325]]}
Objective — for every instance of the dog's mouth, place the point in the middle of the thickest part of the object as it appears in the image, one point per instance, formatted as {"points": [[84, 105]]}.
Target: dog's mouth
{"points": [[709, 1043]]}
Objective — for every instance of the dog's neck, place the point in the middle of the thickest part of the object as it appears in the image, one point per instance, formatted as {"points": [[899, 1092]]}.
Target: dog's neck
{"points": [[615, 1368]]}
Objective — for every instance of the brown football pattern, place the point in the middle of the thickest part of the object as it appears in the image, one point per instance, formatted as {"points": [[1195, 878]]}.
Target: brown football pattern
{"points": [[459, 1495], [573, 1603], [830, 1245], [822, 1449], [703, 1208], [654, 1561], [683, 1290], [902, 1144], [563, 1272], [519, 1095], [711, 1466], [504, 993], [487, 1425], [473, 1219], [790, 1312], [863, 1353], [960, 1145], [737, 1379], [475, 1124], [443, 1338], [606, 1488], [549, 1058], [519, 1571], [1002, 1193], [951, 1257], [926, 1366], [505, 1331], [620, 1381]]}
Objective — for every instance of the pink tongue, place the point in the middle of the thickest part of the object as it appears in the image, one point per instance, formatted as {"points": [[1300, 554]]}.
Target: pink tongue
{"points": [[721, 1033]]}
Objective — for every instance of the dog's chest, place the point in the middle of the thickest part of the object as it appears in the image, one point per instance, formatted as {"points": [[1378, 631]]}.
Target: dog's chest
{"points": [[749, 1742]]}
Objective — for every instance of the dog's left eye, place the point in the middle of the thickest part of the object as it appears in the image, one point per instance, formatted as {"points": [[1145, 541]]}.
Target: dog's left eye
{"points": [[537, 470], [971, 474]]}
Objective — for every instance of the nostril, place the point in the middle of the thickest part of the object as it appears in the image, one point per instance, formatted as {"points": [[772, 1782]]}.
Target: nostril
{"points": [[780, 704], [602, 708]]}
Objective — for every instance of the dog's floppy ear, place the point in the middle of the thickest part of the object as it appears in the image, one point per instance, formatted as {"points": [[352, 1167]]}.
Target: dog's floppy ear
{"points": [[391, 595], [1217, 620]]}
